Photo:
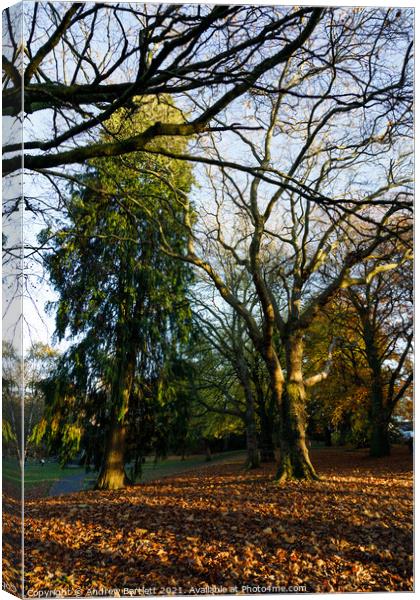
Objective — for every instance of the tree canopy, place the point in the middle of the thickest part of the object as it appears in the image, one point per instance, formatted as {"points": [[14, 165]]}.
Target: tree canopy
{"points": [[91, 61], [120, 298], [250, 167]]}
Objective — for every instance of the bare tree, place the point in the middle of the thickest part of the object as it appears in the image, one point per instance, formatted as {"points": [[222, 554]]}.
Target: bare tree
{"points": [[20, 416], [81, 63], [331, 171], [299, 194], [225, 334]]}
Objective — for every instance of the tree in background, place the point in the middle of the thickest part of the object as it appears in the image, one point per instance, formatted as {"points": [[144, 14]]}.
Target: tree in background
{"points": [[338, 404], [331, 170], [224, 383], [372, 371], [226, 343], [38, 364], [12, 399], [384, 310]]}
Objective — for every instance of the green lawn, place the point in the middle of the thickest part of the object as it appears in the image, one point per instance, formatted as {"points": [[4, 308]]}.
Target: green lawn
{"points": [[170, 466], [152, 470], [35, 473]]}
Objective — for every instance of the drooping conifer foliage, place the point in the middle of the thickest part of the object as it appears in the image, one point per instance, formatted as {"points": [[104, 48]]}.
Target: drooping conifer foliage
{"points": [[121, 299]]}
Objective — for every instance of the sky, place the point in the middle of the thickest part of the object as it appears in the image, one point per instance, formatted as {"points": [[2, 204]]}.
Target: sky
{"points": [[37, 325]]}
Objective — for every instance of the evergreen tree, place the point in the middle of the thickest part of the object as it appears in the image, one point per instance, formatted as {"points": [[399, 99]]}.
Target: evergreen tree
{"points": [[120, 297]]}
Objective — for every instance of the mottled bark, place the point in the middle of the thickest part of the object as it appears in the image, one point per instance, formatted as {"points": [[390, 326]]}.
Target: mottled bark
{"points": [[294, 456]]}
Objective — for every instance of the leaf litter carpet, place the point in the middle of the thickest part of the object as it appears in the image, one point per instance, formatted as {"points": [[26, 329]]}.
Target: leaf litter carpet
{"points": [[224, 529]]}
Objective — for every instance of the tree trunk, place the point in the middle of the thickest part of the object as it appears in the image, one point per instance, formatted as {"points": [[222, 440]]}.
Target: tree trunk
{"points": [[138, 466], [266, 425], [266, 436], [113, 475], [253, 458], [379, 438], [207, 450], [344, 429], [328, 436], [294, 456]]}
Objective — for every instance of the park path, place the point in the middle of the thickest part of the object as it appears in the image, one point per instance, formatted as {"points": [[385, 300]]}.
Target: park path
{"points": [[75, 483], [181, 469], [69, 485]]}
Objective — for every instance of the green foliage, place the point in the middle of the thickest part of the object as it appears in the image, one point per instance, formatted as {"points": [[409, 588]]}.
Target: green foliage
{"points": [[7, 432], [122, 301]]}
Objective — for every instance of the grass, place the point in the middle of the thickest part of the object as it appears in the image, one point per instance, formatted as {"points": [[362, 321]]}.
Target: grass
{"points": [[35, 473], [170, 466]]}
